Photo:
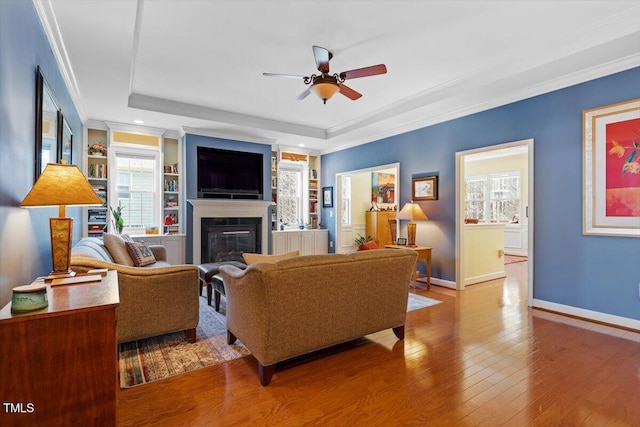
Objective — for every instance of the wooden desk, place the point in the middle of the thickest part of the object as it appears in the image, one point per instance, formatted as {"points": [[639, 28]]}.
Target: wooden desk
{"points": [[424, 253], [59, 365]]}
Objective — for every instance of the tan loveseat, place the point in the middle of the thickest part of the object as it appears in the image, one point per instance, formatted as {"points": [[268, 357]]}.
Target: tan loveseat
{"points": [[295, 306], [154, 300]]}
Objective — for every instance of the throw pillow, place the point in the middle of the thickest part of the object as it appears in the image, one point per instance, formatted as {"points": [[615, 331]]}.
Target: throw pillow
{"points": [[369, 245], [253, 258], [140, 253], [115, 244]]}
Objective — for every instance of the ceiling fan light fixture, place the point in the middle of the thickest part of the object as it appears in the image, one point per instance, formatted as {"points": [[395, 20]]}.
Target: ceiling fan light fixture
{"points": [[325, 88]]}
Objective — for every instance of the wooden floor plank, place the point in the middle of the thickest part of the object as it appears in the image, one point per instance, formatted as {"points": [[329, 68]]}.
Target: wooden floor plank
{"points": [[482, 357]]}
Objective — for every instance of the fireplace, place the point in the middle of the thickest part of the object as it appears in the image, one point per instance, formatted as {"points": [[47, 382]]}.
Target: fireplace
{"points": [[237, 210], [226, 239]]}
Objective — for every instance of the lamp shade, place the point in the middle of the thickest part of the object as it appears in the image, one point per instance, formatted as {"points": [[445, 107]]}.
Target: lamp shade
{"points": [[412, 211], [61, 185], [325, 88]]}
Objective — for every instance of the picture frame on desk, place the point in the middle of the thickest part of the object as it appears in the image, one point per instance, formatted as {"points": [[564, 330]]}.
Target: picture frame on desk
{"points": [[402, 241]]}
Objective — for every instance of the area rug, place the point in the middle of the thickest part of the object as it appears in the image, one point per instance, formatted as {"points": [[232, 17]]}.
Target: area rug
{"points": [[160, 357], [512, 259], [155, 358], [417, 302]]}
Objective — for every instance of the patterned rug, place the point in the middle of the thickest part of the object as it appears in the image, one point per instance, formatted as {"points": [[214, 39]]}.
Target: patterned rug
{"points": [[160, 357], [155, 358]]}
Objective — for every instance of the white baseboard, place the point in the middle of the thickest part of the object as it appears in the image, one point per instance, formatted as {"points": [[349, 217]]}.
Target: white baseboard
{"points": [[441, 282], [588, 314], [484, 278]]}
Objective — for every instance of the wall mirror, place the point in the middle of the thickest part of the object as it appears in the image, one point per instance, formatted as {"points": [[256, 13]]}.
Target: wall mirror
{"points": [[46, 125], [65, 140]]}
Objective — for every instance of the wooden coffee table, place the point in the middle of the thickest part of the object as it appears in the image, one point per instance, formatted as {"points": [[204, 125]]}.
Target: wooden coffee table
{"points": [[424, 252]]}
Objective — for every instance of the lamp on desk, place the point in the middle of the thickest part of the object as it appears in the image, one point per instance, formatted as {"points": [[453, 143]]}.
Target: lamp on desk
{"points": [[412, 211], [61, 185]]}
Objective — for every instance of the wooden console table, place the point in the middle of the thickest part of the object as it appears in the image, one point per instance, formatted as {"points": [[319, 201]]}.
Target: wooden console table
{"points": [[424, 252], [59, 364]]}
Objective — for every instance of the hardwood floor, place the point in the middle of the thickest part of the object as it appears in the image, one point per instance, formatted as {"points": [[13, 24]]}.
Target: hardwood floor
{"points": [[481, 358]]}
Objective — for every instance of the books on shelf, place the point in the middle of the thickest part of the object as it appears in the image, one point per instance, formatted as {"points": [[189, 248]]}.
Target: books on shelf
{"points": [[171, 185], [97, 170]]}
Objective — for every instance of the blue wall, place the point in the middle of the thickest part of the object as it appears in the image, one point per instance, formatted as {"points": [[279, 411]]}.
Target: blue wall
{"points": [[590, 272], [191, 144], [25, 250]]}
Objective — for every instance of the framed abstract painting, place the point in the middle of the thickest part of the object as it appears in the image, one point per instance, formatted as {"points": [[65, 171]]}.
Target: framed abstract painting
{"points": [[611, 170]]}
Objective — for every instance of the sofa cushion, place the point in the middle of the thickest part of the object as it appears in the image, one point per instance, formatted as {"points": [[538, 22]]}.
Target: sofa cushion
{"points": [[140, 253], [115, 244], [254, 258]]}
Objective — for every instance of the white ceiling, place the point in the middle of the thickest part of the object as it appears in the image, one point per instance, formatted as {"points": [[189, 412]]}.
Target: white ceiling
{"points": [[197, 65]]}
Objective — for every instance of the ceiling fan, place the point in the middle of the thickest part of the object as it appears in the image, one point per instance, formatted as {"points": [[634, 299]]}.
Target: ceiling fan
{"points": [[326, 85]]}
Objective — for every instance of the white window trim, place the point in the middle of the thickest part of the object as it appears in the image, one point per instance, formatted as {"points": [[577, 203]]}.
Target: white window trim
{"points": [[488, 199], [302, 187], [143, 151]]}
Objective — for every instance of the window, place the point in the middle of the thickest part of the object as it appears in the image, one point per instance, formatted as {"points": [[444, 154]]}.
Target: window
{"points": [[137, 186], [345, 194], [290, 193], [493, 198]]}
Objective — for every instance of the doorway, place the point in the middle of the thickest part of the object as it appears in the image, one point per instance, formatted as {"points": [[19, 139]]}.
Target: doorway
{"points": [[525, 215], [352, 205]]}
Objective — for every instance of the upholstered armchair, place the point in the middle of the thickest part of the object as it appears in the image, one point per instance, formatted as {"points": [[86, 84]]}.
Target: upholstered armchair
{"points": [[156, 299]]}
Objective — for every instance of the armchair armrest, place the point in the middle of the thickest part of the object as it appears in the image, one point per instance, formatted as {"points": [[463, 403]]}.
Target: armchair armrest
{"points": [[145, 292]]}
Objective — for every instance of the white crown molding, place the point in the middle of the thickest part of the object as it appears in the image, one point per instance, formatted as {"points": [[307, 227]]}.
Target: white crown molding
{"points": [[167, 106], [136, 42], [483, 104], [146, 130], [47, 17], [214, 133]]}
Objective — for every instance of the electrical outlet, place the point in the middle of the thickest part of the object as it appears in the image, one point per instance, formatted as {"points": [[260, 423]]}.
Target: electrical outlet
{"points": [[330, 243], [330, 214]]}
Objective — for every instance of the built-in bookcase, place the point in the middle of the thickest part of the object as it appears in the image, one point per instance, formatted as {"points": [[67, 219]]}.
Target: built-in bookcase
{"points": [[97, 174], [172, 186]]}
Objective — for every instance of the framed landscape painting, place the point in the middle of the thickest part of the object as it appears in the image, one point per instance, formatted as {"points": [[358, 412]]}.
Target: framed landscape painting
{"points": [[425, 188], [611, 170]]}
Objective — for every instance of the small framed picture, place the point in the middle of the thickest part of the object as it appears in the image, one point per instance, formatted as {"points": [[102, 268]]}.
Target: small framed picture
{"points": [[425, 188], [402, 241], [327, 197]]}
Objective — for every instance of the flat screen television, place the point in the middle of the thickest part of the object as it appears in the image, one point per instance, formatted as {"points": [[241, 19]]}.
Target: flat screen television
{"points": [[227, 174]]}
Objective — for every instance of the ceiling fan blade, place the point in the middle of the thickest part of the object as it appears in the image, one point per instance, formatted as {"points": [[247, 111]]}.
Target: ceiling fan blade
{"points": [[304, 94], [348, 92], [323, 56], [290, 76], [364, 72]]}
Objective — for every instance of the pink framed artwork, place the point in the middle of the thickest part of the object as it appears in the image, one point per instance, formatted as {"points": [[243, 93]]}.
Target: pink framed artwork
{"points": [[611, 170]]}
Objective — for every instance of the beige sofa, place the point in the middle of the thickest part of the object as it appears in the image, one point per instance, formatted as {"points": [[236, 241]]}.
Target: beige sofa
{"points": [[154, 300], [295, 306]]}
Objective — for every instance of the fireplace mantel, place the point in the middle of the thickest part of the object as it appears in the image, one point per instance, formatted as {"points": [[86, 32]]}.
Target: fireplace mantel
{"points": [[223, 208]]}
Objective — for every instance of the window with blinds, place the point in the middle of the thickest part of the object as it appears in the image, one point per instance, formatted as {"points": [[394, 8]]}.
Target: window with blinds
{"points": [[290, 193], [137, 188]]}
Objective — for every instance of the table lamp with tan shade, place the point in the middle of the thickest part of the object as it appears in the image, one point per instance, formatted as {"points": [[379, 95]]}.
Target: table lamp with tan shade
{"points": [[412, 211], [61, 185]]}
